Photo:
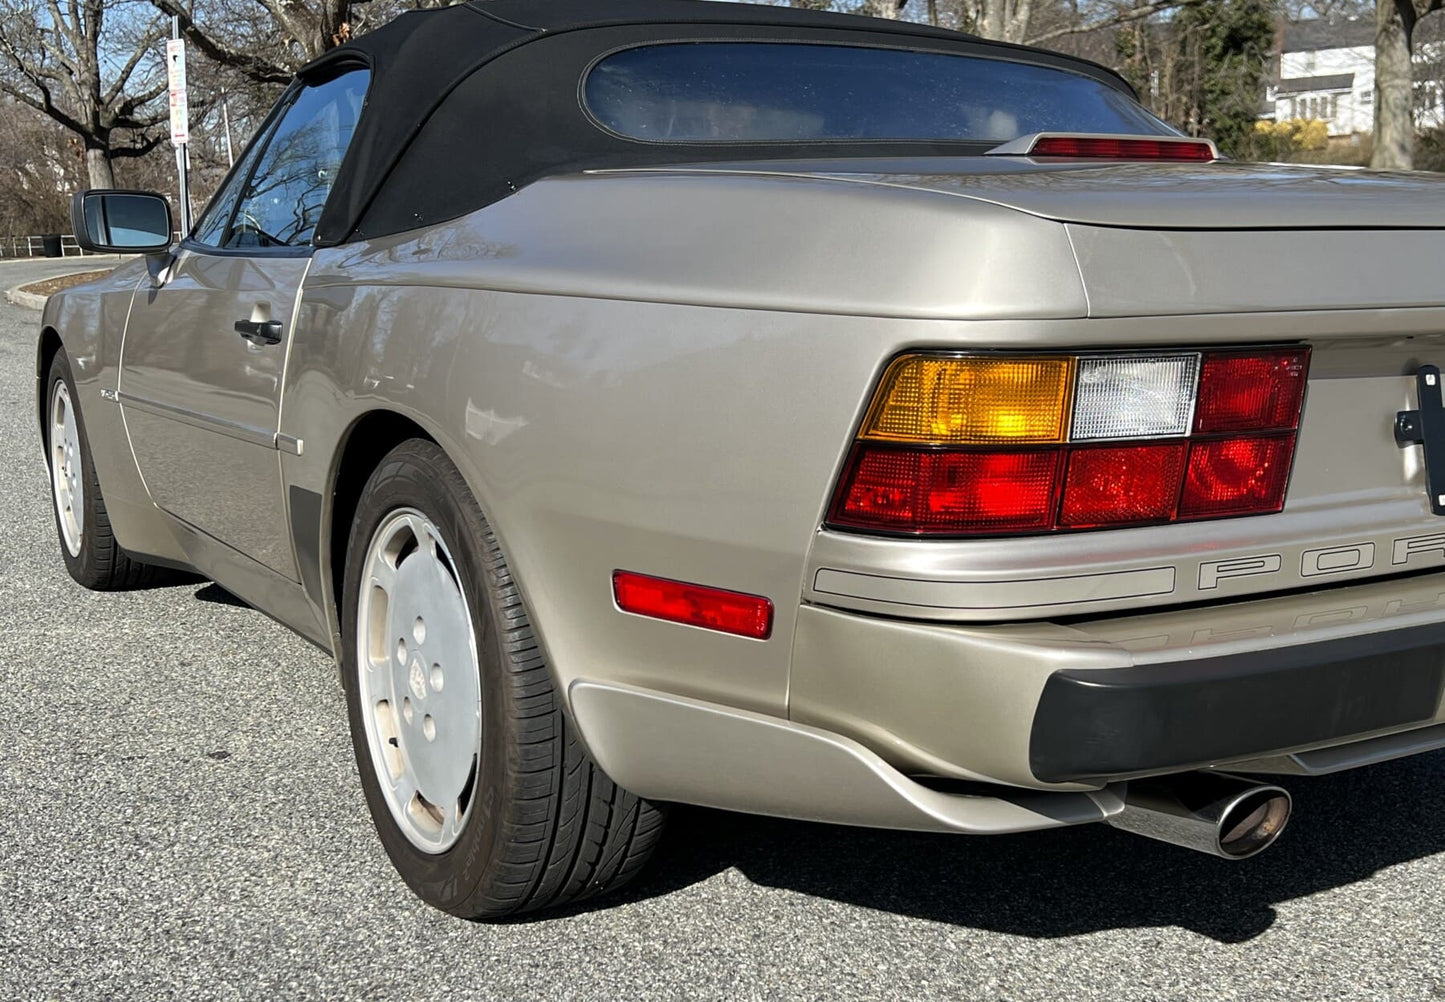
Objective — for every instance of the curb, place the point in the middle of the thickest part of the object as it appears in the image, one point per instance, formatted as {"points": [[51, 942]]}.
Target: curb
{"points": [[29, 300], [34, 301]]}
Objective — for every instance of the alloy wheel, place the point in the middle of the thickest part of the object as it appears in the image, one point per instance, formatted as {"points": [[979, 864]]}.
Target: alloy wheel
{"points": [[419, 683], [66, 477]]}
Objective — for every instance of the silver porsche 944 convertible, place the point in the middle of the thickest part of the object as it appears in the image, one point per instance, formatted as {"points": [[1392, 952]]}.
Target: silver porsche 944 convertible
{"points": [[667, 401]]}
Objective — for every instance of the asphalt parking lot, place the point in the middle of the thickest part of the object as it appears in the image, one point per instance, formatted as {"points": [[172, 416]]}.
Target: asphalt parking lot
{"points": [[182, 820]]}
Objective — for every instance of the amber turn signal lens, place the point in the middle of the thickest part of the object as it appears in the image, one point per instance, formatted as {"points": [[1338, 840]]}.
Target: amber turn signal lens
{"points": [[972, 401]]}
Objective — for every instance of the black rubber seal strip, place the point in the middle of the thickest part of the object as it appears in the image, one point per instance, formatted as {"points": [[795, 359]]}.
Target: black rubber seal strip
{"points": [[1113, 723]]}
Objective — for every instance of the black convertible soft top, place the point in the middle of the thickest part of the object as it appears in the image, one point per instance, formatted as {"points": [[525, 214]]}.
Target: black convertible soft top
{"points": [[469, 103]]}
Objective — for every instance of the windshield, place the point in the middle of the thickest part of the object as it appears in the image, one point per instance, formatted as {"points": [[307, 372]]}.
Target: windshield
{"points": [[781, 92]]}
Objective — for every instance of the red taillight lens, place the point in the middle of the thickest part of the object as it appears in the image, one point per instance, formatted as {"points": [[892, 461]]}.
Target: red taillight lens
{"points": [[695, 605], [1250, 392], [1133, 484], [923, 492], [1122, 149], [1236, 476]]}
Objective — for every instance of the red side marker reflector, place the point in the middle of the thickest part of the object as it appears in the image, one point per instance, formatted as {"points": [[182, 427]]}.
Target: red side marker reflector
{"points": [[1121, 149], [695, 605]]}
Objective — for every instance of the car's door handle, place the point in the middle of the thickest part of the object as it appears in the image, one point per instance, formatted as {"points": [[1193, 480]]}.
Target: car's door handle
{"points": [[260, 331]]}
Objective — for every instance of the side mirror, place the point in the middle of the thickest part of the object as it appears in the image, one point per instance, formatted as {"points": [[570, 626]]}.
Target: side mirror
{"points": [[121, 222]]}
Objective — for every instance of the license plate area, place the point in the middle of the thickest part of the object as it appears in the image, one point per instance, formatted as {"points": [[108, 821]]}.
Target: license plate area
{"points": [[1426, 427]]}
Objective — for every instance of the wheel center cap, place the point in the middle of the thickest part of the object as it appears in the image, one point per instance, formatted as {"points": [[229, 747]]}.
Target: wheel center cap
{"points": [[416, 679]]}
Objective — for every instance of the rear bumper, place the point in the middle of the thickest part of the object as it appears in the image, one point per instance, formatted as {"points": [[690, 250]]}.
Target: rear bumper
{"points": [[1057, 716], [672, 748], [1165, 717], [1078, 704]]}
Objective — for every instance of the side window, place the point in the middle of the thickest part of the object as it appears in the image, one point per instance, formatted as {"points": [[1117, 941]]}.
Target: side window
{"points": [[282, 202], [210, 229]]}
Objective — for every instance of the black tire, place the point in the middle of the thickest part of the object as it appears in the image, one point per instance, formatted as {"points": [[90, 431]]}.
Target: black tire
{"points": [[556, 829], [101, 564]]}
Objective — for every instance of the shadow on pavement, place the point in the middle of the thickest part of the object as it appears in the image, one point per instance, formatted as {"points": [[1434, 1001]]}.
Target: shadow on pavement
{"points": [[1064, 883], [216, 595], [163, 577]]}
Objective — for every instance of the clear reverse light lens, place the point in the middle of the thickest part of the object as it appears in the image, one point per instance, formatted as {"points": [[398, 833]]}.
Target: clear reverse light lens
{"points": [[1134, 396]]}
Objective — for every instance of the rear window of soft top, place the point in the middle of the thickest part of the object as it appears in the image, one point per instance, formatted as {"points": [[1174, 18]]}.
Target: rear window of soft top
{"points": [[786, 92]]}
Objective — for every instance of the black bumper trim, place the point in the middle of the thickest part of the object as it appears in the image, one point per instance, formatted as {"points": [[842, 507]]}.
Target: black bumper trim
{"points": [[1120, 722]]}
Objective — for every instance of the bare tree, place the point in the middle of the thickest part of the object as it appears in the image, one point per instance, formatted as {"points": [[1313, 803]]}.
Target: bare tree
{"points": [[42, 165], [244, 34], [1005, 20], [1395, 22], [233, 34], [1033, 23], [91, 65], [1105, 16], [1326, 10], [890, 9]]}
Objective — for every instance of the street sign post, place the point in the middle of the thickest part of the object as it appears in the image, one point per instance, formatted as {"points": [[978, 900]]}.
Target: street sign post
{"points": [[180, 115]]}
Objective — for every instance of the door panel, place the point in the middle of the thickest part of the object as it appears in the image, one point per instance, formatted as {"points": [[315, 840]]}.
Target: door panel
{"points": [[201, 401], [201, 395]]}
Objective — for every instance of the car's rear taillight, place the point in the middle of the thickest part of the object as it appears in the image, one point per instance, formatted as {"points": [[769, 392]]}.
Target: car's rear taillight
{"points": [[1240, 475], [967, 445], [1241, 391]]}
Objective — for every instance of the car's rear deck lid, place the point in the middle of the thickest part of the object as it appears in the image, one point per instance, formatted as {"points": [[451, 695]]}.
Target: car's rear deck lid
{"points": [[1209, 196]]}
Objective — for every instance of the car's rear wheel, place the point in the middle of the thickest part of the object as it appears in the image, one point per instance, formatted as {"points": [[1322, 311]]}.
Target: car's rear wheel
{"points": [[481, 793], [87, 545]]}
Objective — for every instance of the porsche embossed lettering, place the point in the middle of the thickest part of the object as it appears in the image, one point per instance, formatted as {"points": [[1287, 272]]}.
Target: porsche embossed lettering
{"points": [[1405, 550], [1337, 559], [1213, 571]]}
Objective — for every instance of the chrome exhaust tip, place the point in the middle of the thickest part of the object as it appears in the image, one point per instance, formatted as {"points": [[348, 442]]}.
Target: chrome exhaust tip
{"points": [[1210, 812]]}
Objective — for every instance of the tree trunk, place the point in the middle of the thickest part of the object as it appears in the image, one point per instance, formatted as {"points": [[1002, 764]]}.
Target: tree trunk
{"points": [[1018, 21], [1394, 114], [881, 8], [97, 165], [991, 19], [1005, 20]]}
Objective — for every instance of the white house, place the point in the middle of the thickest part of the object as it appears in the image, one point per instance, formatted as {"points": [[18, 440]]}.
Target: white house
{"points": [[1327, 71]]}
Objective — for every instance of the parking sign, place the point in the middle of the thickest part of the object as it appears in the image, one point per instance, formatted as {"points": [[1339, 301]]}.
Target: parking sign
{"points": [[176, 76]]}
